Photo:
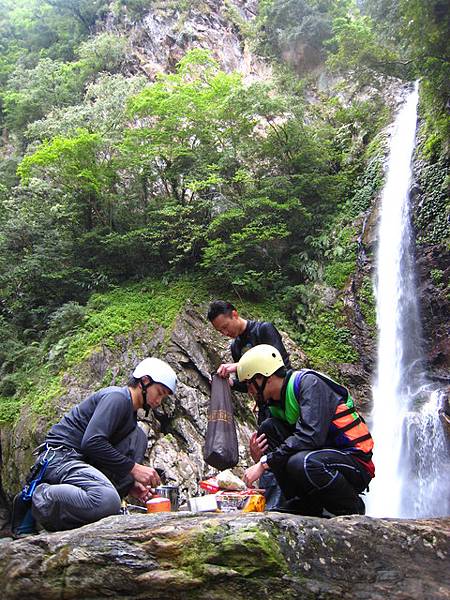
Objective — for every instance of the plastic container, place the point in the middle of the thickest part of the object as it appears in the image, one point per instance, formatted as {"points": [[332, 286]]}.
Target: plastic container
{"points": [[230, 502], [158, 504], [206, 503]]}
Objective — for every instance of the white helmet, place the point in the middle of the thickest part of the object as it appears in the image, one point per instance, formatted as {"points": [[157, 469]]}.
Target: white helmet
{"points": [[159, 371]]}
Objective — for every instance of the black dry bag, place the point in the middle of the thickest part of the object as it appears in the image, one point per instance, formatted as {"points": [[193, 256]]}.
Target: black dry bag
{"points": [[221, 445]]}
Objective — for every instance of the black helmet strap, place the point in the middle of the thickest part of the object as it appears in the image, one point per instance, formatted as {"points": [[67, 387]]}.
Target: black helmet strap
{"points": [[144, 387], [259, 389]]}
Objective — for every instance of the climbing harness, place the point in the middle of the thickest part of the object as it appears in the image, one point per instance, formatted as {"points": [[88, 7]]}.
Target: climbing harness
{"points": [[38, 472]]}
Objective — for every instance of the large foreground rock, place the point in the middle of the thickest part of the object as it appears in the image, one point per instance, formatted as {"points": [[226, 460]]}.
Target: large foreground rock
{"points": [[216, 556]]}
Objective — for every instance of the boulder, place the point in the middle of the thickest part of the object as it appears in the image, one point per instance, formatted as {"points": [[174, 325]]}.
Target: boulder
{"points": [[216, 556]]}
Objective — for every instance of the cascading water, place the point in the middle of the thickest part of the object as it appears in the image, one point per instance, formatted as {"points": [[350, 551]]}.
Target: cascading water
{"points": [[409, 441]]}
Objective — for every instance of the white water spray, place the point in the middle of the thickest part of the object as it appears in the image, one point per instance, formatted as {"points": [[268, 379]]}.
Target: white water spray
{"points": [[401, 380]]}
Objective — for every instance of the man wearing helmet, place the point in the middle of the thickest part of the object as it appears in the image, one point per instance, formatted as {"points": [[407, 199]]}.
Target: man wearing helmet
{"points": [[319, 448], [95, 453]]}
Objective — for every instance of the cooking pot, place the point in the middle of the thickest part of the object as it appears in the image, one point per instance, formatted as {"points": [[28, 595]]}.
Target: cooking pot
{"points": [[170, 491]]}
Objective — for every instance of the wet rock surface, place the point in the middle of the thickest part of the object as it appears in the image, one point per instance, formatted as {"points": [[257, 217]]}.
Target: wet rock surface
{"points": [[435, 305], [215, 556]]}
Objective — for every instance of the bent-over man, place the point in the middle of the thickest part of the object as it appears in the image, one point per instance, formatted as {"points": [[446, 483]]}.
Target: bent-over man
{"points": [[319, 448], [95, 454]]}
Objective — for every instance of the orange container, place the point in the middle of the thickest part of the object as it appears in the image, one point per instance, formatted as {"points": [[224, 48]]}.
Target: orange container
{"points": [[158, 504], [255, 503]]}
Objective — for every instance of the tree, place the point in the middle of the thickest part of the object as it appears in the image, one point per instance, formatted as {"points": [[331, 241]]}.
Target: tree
{"points": [[419, 32], [86, 12], [81, 170], [190, 127], [296, 31]]}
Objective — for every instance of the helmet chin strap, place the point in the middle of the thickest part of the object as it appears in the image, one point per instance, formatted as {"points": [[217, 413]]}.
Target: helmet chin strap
{"points": [[145, 405], [260, 390]]}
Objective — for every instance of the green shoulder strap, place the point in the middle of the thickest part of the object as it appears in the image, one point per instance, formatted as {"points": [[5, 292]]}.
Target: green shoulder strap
{"points": [[291, 412]]}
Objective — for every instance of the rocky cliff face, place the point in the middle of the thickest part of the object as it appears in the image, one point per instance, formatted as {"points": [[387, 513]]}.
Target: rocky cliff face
{"points": [[166, 32], [431, 219], [215, 556]]}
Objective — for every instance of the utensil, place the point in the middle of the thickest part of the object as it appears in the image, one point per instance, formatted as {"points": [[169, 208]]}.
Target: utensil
{"points": [[172, 492]]}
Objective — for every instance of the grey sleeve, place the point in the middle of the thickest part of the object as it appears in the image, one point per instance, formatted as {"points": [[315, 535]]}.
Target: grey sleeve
{"points": [[111, 413], [317, 408]]}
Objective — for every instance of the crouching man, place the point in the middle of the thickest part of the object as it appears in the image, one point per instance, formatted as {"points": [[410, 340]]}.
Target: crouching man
{"points": [[95, 453], [319, 448]]}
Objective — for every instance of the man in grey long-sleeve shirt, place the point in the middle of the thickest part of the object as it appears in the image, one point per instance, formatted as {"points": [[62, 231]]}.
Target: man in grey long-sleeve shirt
{"points": [[95, 452]]}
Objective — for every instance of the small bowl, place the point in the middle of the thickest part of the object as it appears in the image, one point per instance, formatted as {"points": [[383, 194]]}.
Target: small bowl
{"points": [[158, 504]]}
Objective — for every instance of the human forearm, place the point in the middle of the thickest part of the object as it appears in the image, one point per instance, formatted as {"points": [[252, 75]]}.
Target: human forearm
{"points": [[99, 452]]}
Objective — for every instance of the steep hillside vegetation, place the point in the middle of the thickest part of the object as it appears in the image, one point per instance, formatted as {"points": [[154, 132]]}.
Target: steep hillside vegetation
{"points": [[237, 145]]}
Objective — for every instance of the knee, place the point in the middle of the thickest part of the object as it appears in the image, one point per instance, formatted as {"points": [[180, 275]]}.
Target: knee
{"points": [[296, 466], [107, 503], [307, 470]]}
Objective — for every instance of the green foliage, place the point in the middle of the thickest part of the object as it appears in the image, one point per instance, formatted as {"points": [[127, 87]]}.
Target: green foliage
{"points": [[197, 119], [103, 53], [78, 166], [431, 216], [357, 48], [45, 32], [31, 92], [407, 38], [247, 246], [327, 339], [102, 110], [297, 30], [420, 29], [437, 277], [85, 12], [38, 378], [337, 273], [151, 304], [213, 174], [297, 301], [248, 186], [64, 321], [367, 303]]}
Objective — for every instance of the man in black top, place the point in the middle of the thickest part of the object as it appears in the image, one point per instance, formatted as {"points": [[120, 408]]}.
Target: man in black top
{"points": [[246, 334], [94, 454]]}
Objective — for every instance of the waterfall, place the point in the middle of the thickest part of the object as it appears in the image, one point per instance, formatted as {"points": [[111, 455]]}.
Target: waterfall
{"points": [[405, 420]]}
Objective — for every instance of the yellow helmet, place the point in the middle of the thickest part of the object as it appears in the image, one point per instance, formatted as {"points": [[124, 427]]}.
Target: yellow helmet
{"points": [[260, 360]]}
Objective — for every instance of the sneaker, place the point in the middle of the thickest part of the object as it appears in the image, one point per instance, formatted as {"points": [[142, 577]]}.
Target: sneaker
{"points": [[22, 520]]}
